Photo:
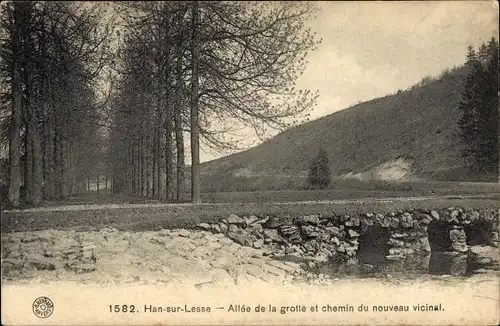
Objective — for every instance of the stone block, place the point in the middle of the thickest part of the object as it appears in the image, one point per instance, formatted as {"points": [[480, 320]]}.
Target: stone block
{"points": [[457, 235], [352, 233], [310, 219], [204, 226], [236, 220]]}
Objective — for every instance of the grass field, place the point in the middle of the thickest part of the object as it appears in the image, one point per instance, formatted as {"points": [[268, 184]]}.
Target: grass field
{"points": [[339, 190]]}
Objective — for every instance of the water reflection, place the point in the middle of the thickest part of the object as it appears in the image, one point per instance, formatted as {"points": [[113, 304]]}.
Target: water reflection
{"points": [[435, 263]]}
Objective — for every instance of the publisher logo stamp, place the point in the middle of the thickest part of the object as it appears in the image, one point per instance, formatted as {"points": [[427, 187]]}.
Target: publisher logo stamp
{"points": [[43, 307]]}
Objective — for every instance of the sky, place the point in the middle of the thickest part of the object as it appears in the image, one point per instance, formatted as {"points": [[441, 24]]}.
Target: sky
{"points": [[372, 49]]}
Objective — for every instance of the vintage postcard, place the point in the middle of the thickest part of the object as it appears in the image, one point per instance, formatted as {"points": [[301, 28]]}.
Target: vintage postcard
{"points": [[249, 163]]}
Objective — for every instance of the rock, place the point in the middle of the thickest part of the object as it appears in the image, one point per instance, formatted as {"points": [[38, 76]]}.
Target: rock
{"points": [[223, 227], [286, 266], [164, 232], [435, 215], [309, 231], [335, 240], [485, 260], [204, 226], [408, 251], [309, 247], [241, 238], [262, 220], [406, 220], [200, 252], [394, 223], [291, 233], [321, 257], [89, 247], [303, 220], [233, 228], [458, 265], [251, 219], [215, 228], [274, 222], [399, 235], [458, 235], [352, 233], [184, 233], [273, 235], [474, 215], [459, 246], [235, 219], [354, 241], [225, 241], [335, 231], [396, 243], [233, 247], [81, 268], [452, 217], [424, 218], [258, 243], [385, 222], [424, 244], [353, 221], [291, 249], [395, 251], [257, 228]]}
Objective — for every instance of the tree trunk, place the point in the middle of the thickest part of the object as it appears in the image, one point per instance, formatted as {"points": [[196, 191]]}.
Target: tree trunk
{"points": [[154, 163], [48, 166], [28, 164], [144, 172], [37, 166], [148, 165], [179, 137], [64, 169], [195, 142], [168, 159], [158, 165], [57, 162], [14, 141]]}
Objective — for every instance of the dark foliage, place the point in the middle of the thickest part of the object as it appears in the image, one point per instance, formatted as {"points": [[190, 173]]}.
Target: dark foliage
{"points": [[319, 171]]}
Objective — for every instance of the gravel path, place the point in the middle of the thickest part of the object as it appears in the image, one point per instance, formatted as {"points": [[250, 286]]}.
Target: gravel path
{"points": [[358, 201]]}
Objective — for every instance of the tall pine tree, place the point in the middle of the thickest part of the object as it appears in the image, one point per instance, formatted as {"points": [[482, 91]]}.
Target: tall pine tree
{"points": [[479, 108]]}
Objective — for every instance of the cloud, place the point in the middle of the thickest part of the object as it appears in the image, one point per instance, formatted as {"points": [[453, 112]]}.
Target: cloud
{"points": [[371, 49]]}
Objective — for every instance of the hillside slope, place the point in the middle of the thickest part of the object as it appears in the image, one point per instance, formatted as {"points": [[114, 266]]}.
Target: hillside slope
{"points": [[410, 135]]}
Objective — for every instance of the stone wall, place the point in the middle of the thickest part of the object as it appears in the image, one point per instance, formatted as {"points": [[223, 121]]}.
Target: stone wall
{"points": [[322, 238]]}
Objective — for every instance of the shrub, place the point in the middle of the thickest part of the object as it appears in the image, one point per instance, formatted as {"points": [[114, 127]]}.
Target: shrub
{"points": [[319, 171]]}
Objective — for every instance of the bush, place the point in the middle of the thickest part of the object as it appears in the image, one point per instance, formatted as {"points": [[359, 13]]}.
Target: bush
{"points": [[319, 171]]}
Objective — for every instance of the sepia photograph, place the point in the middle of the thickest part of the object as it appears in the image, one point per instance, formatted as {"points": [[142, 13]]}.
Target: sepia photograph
{"points": [[249, 162]]}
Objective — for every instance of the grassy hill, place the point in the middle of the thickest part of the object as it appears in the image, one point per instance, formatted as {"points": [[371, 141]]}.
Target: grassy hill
{"points": [[414, 130]]}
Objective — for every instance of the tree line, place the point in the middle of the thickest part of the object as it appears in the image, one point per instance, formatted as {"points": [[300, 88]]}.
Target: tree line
{"points": [[51, 56], [200, 70], [179, 74], [479, 105]]}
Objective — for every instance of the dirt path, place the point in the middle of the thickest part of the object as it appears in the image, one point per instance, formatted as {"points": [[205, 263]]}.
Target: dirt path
{"points": [[112, 256], [358, 201]]}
